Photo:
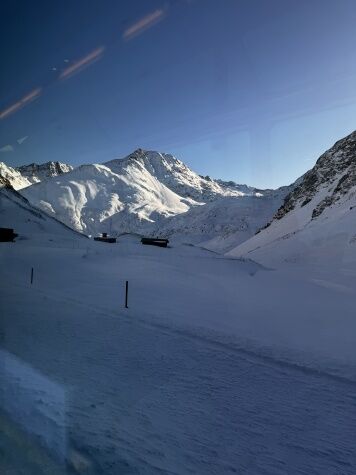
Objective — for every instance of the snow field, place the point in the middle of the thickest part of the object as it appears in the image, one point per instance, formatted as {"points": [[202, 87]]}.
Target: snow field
{"points": [[208, 371]]}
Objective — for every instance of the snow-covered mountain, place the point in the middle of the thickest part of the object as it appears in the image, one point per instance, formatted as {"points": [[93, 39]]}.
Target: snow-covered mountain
{"points": [[28, 221], [93, 198], [176, 176], [26, 175], [317, 218], [134, 194], [36, 173], [223, 223], [13, 177]]}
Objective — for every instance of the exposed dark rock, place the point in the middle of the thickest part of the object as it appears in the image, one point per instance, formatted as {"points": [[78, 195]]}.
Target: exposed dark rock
{"points": [[335, 169], [36, 172]]}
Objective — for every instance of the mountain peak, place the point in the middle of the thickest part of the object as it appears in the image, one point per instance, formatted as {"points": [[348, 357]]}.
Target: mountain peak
{"points": [[151, 155], [176, 175], [138, 153]]}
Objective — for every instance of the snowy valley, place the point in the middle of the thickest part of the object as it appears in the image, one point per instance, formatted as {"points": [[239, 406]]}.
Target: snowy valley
{"points": [[236, 353], [178, 237]]}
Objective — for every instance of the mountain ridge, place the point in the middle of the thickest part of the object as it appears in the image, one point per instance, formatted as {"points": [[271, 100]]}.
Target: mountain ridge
{"points": [[35, 172], [26, 175], [137, 193], [316, 217]]}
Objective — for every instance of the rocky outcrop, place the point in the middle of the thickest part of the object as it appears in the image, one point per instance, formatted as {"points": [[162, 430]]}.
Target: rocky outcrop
{"points": [[334, 172]]}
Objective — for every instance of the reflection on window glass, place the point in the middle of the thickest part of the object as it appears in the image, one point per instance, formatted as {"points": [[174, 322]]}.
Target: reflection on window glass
{"points": [[177, 237]]}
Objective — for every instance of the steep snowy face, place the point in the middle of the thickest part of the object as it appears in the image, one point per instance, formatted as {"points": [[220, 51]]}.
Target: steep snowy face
{"points": [[13, 177], [95, 198], [332, 177], [36, 173], [28, 221], [317, 219], [176, 176]]}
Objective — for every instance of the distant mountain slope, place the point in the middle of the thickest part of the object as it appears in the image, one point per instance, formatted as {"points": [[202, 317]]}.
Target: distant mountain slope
{"points": [[176, 176], [29, 222], [318, 217], [134, 194], [26, 175], [223, 223]]}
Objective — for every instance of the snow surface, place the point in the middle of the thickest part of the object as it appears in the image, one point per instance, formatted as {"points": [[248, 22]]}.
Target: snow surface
{"points": [[218, 366]]}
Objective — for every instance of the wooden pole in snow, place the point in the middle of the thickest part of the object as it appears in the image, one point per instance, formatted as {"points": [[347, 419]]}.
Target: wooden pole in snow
{"points": [[126, 293], [31, 275]]}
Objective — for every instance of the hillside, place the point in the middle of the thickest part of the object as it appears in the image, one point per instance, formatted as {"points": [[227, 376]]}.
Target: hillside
{"points": [[29, 222], [223, 223], [317, 219]]}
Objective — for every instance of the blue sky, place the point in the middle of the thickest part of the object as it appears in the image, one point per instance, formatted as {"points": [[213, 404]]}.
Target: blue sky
{"points": [[252, 91]]}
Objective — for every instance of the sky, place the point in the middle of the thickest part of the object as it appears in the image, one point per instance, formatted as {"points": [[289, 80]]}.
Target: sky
{"points": [[245, 90]]}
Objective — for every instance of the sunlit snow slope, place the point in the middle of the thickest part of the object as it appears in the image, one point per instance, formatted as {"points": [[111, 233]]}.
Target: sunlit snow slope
{"points": [[134, 194], [223, 223], [29, 222]]}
